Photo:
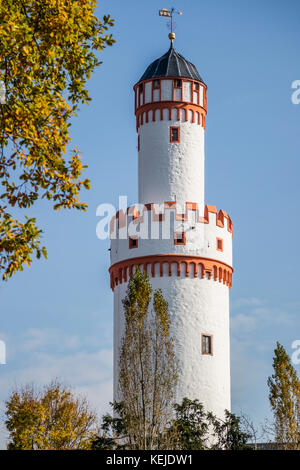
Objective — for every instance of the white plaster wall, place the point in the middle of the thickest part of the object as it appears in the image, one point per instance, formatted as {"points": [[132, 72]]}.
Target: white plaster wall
{"points": [[177, 94], [156, 95], [171, 171], [148, 92], [196, 306], [166, 90], [201, 96], [187, 91]]}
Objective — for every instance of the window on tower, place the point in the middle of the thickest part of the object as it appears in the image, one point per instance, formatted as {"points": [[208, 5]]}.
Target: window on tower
{"points": [[174, 134], [156, 84], [133, 242], [177, 83], [141, 95], [220, 244], [207, 344], [179, 238], [196, 86]]}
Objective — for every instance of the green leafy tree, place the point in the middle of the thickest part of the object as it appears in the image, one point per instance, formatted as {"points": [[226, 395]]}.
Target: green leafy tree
{"points": [[48, 51], [103, 443], [284, 397], [195, 429], [49, 419], [113, 431], [189, 429], [227, 434]]}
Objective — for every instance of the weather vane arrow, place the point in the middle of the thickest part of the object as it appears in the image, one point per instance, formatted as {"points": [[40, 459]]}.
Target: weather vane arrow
{"points": [[169, 14]]}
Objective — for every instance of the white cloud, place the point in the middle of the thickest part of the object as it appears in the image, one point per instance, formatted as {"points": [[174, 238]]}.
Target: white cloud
{"points": [[256, 325], [35, 338], [250, 314], [245, 302], [243, 322]]}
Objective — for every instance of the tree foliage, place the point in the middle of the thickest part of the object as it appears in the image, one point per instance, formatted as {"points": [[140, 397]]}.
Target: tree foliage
{"points": [[284, 397], [147, 365], [193, 428], [227, 433], [189, 428], [49, 419], [48, 50], [145, 416], [114, 430]]}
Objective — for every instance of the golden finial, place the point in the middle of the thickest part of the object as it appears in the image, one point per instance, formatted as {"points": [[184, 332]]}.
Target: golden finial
{"points": [[172, 37]]}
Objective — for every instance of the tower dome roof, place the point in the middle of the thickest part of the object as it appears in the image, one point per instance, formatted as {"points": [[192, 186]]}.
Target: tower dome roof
{"points": [[171, 64]]}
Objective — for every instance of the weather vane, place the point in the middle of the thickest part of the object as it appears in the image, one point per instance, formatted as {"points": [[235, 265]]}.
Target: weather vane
{"points": [[169, 14]]}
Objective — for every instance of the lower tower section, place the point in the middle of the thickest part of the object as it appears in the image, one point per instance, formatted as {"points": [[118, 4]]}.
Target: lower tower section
{"points": [[188, 256]]}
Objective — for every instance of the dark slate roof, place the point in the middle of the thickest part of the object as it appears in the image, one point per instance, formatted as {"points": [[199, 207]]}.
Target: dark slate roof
{"points": [[171, 64]]}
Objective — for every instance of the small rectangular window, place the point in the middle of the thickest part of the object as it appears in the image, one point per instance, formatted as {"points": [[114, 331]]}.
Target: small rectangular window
{"points": [[156, 84], [133, 242], [141, 88], [179, 238], [219, 244], [177, 83], [207, 344], [196, 86], [174, 134]]}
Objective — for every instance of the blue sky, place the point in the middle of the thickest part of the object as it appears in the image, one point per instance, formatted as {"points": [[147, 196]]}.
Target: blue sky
{"points": [[56, 317]]}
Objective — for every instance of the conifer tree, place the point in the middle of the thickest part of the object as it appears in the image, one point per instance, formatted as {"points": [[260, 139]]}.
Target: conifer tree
{"points": [[147, 365], [284, 396]]}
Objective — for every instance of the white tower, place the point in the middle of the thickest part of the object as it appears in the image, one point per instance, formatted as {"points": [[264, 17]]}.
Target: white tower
{"points": [[184, 245]]}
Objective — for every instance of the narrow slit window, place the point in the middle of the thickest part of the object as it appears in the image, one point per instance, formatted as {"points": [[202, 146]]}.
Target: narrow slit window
{"points": [[156, 84], [141, 95], [177, 83], [174, 134], [196, 86], [207, 344]]}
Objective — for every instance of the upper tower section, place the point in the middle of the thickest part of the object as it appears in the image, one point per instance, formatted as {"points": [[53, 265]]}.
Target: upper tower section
{"points": [[171, 82], [170, 108]]}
